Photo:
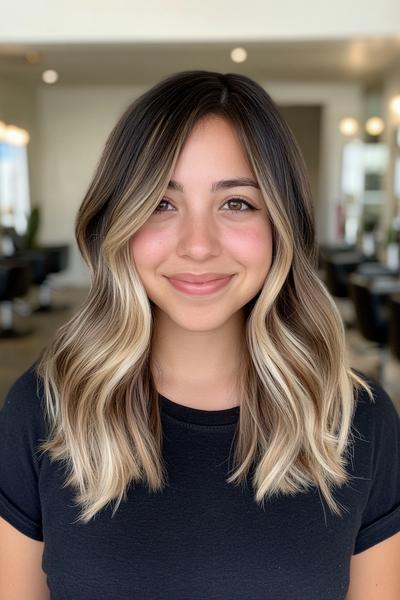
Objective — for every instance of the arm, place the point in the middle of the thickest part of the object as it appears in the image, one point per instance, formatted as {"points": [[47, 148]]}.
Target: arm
{"points": [[21, 574], [375, 573]]}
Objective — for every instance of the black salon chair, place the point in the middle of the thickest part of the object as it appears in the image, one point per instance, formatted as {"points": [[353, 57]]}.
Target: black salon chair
{"points": [[394, 325], [46, 260], [325, 251], [370, 298], [337, 270], [376, 269], [54, 260], [15, 281]]}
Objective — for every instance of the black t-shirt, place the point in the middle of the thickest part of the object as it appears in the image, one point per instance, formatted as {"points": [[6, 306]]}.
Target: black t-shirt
{"points": [[201, 538]]}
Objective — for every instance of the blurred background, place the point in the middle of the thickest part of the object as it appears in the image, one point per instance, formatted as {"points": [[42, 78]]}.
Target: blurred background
{"points": [[67, 72]]}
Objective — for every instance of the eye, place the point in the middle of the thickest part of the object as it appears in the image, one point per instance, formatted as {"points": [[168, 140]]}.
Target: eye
{"points": [[158, 207], [236, 200], [242, 202]]}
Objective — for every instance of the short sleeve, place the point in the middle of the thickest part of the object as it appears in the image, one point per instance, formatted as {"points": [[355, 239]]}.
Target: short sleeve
{"points": [[20, 430], [381, 423]]}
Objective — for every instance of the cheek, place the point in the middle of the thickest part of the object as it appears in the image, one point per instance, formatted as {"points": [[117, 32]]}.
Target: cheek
{"points": [[147, 248], [253, 246]]}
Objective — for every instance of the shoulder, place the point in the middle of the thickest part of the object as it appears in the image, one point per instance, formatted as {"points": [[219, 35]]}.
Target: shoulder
{"points": [[26, 385], [379, 410], [376, 431], [22, 428], [23, 405]]}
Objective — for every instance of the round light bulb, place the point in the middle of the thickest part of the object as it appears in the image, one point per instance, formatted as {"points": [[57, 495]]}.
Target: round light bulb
{"points": [[50, 76], [238, 55], [374, 126], [348, 126]]}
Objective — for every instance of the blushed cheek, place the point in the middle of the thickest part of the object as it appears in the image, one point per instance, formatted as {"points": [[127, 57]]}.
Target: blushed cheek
{"points": [[148, 248], [253, 246]]}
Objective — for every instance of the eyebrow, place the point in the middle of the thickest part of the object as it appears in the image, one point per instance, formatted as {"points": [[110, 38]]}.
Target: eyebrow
{"points": [[223, 184]]}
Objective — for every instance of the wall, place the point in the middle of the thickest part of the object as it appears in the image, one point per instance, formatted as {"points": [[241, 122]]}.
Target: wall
{"points": [[74, 124], [305, 123]]}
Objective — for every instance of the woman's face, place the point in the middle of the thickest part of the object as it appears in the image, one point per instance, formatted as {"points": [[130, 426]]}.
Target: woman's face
{"points": [[198, 230]]}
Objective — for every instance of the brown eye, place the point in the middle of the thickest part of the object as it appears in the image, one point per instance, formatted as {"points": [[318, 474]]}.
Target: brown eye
{"points": [[158, 209], [242, 202], [238, 201]]}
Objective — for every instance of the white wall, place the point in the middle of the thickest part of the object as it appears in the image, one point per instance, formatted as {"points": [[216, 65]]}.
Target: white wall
{"points": [[74, 123], [222, 20], [304, 121]]}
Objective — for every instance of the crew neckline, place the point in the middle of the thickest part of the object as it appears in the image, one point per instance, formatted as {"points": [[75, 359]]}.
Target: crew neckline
{"points": [[197, 416]]}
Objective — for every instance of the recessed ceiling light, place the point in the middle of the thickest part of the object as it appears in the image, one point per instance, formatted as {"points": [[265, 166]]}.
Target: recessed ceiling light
{"points": [[50, 76], [238, 55], [348, 126], [374, 126]]}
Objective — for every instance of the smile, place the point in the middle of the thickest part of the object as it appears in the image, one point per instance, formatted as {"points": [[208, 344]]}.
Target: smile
{"points": [[200, 289]]}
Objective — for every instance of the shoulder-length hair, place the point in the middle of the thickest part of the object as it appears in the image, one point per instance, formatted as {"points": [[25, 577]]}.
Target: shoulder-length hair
{"points": [[297, 390]]}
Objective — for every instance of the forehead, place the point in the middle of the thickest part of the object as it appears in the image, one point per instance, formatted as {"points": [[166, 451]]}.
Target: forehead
{"points": [[214, 126], [213, 150]]}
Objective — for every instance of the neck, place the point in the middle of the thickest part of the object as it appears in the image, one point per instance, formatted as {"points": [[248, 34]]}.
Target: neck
{"points": [[199, 366]]}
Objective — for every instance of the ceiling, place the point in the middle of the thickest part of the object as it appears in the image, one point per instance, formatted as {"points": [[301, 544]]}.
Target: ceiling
{"points": [[365, 60]]}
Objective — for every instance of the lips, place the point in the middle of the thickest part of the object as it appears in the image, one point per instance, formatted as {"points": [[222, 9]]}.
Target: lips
{"points": [[200, 289], [204, 278]]}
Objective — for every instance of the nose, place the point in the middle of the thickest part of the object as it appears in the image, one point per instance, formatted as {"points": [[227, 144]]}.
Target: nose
{"points": [[198, 237]]}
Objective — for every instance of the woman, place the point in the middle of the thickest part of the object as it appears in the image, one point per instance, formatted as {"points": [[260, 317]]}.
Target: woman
{"points": [[201, 434]]}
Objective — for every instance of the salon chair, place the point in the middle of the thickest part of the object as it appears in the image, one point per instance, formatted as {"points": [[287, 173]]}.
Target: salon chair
{"points": [[54, 259], [15, 281], [44, 261], [325, 251], [394, 325], [370, 297]]}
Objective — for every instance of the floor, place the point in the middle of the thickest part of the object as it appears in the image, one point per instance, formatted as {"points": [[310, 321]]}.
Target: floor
{"points": [[18, 354]]}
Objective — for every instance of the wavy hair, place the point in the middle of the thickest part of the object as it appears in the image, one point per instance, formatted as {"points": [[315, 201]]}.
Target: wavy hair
{"points": [[297, 391]]}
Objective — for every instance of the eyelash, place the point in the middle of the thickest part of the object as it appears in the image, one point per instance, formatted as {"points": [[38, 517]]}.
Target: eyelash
{"points": [[250, 207]]}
